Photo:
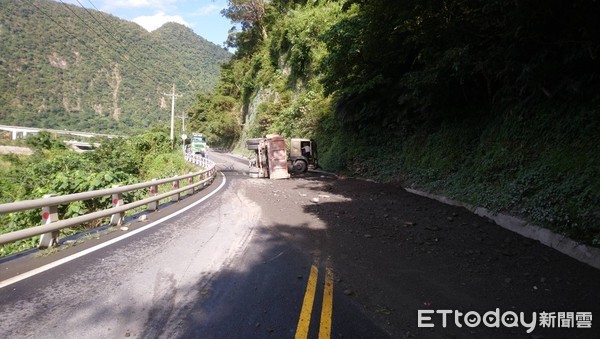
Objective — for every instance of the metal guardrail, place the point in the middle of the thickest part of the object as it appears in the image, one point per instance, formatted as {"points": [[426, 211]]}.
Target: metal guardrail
{"points": [[51, 225]]}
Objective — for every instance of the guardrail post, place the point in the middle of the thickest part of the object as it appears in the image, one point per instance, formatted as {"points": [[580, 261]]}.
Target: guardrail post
{"points": [[175, 198], [190, 182], [153, 206], [205, 177], [49, 215], [117, 219]]}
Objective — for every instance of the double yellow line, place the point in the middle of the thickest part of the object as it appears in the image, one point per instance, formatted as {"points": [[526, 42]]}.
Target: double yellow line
{"points": [[307, 305]]}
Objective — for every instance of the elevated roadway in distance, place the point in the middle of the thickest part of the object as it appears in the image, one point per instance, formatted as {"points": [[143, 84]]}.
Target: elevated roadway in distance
{"points": [[19, 132]]}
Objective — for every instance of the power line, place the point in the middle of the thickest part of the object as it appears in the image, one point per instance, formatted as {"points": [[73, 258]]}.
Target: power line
{"points": [[163, 49], [121, 41], [82, 42], [86, 24], [108, 44], [66, 30]]}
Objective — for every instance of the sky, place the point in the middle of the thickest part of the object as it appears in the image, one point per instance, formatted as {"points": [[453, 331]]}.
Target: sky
{"points": [[202, 16]]}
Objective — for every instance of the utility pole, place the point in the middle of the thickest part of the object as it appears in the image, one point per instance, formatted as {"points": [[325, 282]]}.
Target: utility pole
{"points": [[173, 96], [183, 116]]}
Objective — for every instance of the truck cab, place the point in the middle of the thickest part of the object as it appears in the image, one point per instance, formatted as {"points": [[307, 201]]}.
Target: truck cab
{"points": [[198, 144], [303, 154]]}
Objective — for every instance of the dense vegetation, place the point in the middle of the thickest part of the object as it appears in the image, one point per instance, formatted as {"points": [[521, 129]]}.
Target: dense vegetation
{"points": [[55, 169], [489, 102], [494, 103], [66, 67]]}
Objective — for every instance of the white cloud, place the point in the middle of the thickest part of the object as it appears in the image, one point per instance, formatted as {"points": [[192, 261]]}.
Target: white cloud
{"points": [[208, 10], [153, 22], [140, 3]]}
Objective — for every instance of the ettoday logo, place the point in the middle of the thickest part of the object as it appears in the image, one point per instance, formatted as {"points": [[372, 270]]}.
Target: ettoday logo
{"points": [[495, 318]]}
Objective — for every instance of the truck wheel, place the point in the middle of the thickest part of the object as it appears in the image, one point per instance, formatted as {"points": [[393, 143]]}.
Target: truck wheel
{"points": [[300, 166], [252, 144]]}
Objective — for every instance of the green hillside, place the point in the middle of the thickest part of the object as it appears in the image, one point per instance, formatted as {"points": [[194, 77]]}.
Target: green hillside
{"points": [[493, 103], [67, 67]]}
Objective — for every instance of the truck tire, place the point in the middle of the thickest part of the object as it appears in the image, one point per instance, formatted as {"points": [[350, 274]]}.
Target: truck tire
{"points": [[300, 166], [252, 144]]}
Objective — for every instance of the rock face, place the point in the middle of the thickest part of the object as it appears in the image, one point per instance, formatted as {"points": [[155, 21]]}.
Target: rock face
{"points": [[103, 80]]}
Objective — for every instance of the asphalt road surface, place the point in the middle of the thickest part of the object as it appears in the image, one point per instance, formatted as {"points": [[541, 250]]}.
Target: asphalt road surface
{"points": [[213, 271], [314, 256]]}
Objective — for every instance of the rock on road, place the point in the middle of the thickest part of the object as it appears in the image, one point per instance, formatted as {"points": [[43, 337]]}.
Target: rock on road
{"points": [[239, 266]]}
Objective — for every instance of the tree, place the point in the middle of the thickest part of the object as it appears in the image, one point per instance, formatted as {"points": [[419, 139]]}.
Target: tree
{"points": [[400, 63], [249, 13], [214, 116], [43, 141]]}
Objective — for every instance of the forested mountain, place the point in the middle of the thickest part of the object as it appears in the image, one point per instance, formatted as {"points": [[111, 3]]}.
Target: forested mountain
{"points": [[66, 67], [494, 103]]}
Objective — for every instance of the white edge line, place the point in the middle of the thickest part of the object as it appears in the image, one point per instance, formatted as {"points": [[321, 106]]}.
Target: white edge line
{"points": [[65, 260]]}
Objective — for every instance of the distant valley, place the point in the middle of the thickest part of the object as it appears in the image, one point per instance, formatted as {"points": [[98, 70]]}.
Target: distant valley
{"points": [[65, 67]]}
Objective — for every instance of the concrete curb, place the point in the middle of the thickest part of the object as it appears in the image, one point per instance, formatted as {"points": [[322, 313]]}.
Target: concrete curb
{"points": [[580, 252], [583, 253]]}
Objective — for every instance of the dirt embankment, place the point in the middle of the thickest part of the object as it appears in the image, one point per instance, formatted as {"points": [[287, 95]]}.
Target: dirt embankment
{"points": [[15, 150]]}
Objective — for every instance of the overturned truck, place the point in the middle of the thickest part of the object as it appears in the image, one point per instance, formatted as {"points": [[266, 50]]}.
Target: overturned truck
{"points": [[273, 161]]}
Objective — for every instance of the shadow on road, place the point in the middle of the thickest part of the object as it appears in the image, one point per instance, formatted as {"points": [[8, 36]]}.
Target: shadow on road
{"points": [[392, 254], [398, 253]]}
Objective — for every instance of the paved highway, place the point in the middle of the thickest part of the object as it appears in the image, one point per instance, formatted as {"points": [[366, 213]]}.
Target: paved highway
{"points": [[213, 271], [310, 257]]}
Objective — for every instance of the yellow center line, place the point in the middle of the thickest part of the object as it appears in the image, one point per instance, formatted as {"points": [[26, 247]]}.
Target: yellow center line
{"points": [[327, 310], [307, 305]]}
